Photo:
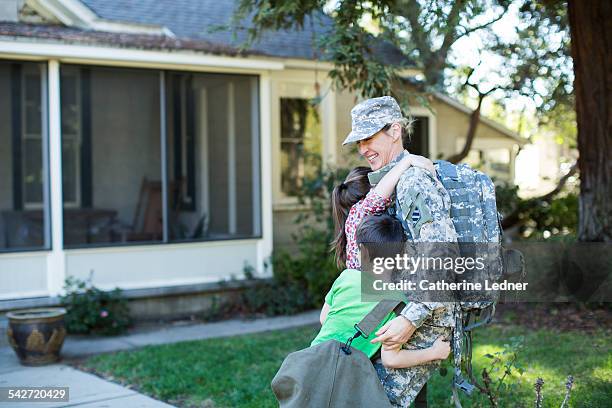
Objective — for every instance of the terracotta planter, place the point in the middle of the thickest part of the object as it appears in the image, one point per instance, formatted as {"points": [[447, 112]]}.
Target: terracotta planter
{"points": [[37, 335]]}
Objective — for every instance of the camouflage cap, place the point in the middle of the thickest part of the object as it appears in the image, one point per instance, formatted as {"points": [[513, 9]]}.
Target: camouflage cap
{"points": [[370, 116]]}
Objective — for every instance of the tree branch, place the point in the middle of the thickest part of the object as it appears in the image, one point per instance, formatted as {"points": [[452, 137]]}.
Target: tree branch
{"points": [[471, 133], [419, 35], [514, 217], [474, 119], [450, 36], [469, 31]]}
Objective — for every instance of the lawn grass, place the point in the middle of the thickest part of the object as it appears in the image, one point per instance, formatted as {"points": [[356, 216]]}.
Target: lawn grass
{"points": [[236, 372]]}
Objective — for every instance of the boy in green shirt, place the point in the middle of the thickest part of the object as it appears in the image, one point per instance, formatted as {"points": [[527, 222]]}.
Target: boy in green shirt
{"points": [[343, 307]]}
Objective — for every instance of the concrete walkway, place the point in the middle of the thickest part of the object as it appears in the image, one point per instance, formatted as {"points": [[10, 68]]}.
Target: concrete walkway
{"points": [[87, 390]]}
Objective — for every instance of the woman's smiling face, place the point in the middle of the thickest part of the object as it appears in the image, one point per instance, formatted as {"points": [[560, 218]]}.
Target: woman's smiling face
{"points": [[379, 149]]}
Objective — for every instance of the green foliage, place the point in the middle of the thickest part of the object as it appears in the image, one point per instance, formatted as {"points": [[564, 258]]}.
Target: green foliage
{"points": [[301, 278], [502, 365], [540, 219], [536, 61], [91, 310]]}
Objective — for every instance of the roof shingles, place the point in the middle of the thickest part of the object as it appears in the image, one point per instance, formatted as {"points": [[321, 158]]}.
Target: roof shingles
{"points": [[193, 22]]}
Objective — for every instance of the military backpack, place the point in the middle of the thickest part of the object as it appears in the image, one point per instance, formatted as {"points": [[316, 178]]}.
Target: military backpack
{"points": [[478, 225]]}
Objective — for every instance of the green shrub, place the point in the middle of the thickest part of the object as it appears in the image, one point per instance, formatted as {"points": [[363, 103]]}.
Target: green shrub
{"points": [[302, 278], [556, 219], [91, 310]]}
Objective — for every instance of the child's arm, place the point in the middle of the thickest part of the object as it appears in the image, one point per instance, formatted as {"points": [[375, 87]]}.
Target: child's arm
{"points": [[324, 312], [400, 358], [386, 185]]}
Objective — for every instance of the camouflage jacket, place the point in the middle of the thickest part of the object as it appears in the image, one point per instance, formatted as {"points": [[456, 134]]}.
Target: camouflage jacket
{"points": [[425, 205]]}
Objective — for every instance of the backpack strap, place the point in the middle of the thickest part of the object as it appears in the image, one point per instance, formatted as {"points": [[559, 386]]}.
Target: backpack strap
{"points": [[370, 321]]}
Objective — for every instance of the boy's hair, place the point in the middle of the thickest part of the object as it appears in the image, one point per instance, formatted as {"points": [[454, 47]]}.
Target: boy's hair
{"points": [[345, 195], [382, 235]]}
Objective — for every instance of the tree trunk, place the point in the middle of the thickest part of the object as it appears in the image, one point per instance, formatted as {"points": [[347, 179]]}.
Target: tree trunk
{"points": [[591, 39], [469, 137]]}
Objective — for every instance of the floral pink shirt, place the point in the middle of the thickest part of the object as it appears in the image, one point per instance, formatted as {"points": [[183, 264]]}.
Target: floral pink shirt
{"points": [[371, 204]]}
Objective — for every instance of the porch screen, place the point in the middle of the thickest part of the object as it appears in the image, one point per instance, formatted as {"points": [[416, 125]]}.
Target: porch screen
{"points": [[24, 213], [213, 156], [111, 156], [117, 155]]}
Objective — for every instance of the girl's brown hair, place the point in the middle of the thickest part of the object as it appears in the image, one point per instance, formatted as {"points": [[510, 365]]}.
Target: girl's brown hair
{"points": [[345, 195]]}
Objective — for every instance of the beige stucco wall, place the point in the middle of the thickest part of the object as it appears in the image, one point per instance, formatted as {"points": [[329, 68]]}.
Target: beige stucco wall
{"points": [[452, 127]]}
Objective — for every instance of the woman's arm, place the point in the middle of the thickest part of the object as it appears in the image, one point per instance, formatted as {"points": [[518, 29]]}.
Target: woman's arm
{"points": [[400, 358], [386, 185], [324, 312]]}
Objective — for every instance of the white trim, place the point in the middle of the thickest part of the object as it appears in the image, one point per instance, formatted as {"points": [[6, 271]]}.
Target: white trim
{"points": [[497, 126], [24, 295], [89, 54], [56, 258], [167, 283], [328, 127], [23, 254], [264, 246], [165, 246], [73, 13], [231, 160], [295, 63]]}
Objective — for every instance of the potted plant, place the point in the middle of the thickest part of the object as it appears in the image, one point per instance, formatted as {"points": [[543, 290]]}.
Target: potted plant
{"points": [[37, 335]]}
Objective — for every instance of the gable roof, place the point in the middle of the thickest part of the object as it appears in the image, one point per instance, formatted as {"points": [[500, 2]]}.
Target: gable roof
{"points": [[190, 22], [74, 35], [196, 20]]}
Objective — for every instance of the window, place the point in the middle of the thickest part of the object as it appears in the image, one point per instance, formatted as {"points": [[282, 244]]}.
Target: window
{"points": [[498, 160], [111, 156], [419, 141], [114, 149], [72, 81], [301, 143], [23, 209], [213, 156], [475, 159]]}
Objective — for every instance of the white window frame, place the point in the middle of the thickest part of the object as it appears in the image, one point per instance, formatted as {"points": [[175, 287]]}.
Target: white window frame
{"points": [[301, 84]]}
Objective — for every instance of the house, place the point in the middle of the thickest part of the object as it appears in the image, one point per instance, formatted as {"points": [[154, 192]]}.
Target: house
{"points": [[145, 150]]}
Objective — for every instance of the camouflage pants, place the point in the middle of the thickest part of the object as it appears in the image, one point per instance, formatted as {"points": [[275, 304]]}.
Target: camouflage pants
{"points": [[403, 384]]}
